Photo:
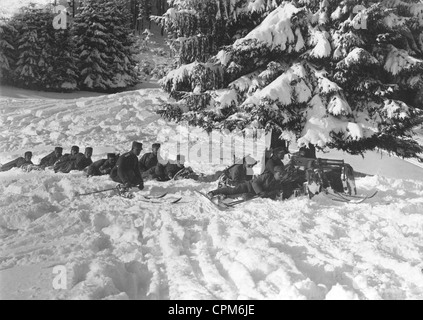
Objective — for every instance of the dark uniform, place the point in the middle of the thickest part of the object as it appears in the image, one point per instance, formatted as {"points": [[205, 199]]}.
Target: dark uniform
{"points": [[275, 141], [127, 170], [148, 161], [107, 166], [273, 162], [69, 162], [66, 163], [50, 159], [103, 166], [172, 168], [237, 174], [17, 163], [264, 185], [308, 152], [155, 173], [181, 172], [94, 169], [81, 161]]}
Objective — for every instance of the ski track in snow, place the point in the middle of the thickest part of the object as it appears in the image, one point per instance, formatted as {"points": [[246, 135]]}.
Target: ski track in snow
{"points": [[116, 248]]}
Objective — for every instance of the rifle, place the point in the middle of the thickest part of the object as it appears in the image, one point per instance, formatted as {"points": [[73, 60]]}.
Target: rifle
{"points": [[120, 188]]}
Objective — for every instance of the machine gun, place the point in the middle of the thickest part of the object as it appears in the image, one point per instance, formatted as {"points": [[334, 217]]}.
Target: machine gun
{"points": [[332, 173]]}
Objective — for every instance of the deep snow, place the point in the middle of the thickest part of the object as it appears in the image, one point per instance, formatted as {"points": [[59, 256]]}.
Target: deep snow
{"points": [[115, 248]]}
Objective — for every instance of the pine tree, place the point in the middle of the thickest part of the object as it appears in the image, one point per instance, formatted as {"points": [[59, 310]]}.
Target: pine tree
{"points": [[145, 11], [8, 36], [39, 56], [33, 44], [64, 72], [105, 45], [199, 28], [338, 74]]}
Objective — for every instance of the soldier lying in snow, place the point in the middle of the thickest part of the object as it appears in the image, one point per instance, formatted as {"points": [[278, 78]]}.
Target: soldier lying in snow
{"points": [[237, 173], [102, 166], [74, 160], [170, 171], [155, 173], [21, 162], [127, 170], [150, 159], [275, 159], [50, 159], [267, 185]]}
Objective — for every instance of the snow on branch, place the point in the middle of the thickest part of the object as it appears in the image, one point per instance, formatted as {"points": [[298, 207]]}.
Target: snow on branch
{"points": [[288, 88], [395, 109], [195, 76], [224, 98], [359, 57], [338, 106], [343, 42], [415, 9], [223, 57], [398, 61], [273, 70], [277, 30], [248, 83], [325, 86], [320, 126], [320, 41]]}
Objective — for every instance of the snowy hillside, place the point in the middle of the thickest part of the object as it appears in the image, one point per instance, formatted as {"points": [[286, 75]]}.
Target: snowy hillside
{"points": [[116, 248], [10, 7]]}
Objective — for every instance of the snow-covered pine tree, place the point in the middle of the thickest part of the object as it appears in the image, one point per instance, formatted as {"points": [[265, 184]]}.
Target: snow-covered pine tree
{"points": [[8, 53], [35, 39], [199, 28], [44, 58], [338, 74], [145, 11], [64, 73], [105, 45]]}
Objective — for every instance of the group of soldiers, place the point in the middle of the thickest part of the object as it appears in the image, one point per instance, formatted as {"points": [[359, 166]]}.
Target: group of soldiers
{"points": [[148, 166], [277, 180], [56, 160]]}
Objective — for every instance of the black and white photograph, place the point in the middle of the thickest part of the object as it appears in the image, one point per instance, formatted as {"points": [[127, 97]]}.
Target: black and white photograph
{"points": [[232, 151]]}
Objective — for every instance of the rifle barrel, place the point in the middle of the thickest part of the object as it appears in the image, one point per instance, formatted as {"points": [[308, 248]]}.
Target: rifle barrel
{"points": [[86, 194]]}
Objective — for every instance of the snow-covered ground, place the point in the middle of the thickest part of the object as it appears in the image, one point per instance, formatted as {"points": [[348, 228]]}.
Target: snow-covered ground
{"points": [[10, 7], [109, 247]]}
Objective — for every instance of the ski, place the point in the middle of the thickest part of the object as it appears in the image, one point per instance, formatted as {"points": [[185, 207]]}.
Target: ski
{"points": [[220, 206], [170, 201], [156, 197], [233, 203], [349, 201], [347, 196], [341, 198]]}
